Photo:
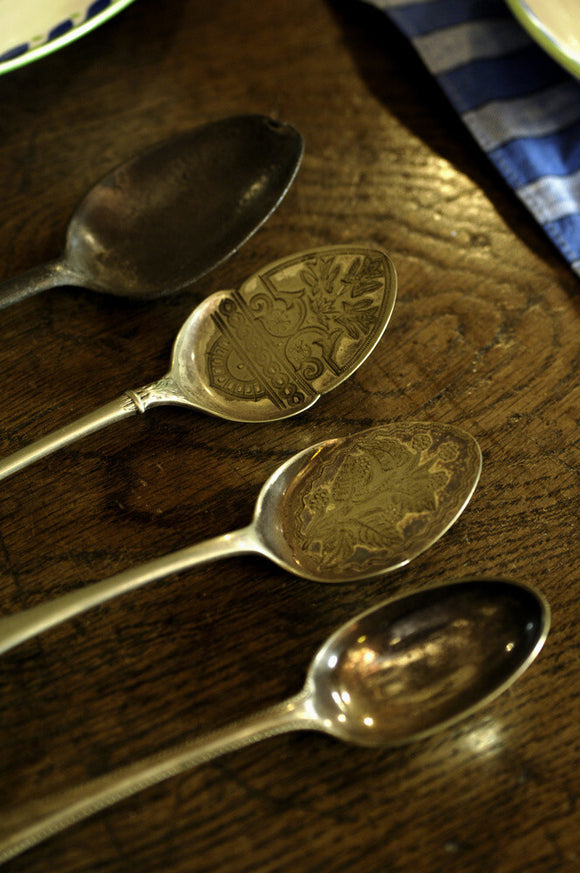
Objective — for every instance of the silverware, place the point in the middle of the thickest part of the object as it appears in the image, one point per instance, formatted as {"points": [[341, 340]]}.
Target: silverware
{"points": [[342, 510], [166, 217], [293, 331], [396, 673]]}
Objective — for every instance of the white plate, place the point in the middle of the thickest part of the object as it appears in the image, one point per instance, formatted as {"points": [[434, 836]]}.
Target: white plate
{"points": [[31, 29], [555, 25]]}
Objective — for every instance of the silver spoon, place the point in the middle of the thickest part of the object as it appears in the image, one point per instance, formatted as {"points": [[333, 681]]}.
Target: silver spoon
{"points": [[166, 217], [396, 673], [293, 331], [342, 510]]}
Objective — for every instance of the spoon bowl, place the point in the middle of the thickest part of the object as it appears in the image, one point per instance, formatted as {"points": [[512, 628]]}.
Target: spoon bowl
{"points": [[294, 331], [396, 673], [363, 505], [418, 663], [342, 510], [169, 215]]}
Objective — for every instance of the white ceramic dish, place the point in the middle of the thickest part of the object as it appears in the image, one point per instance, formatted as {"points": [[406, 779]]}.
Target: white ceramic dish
{"points": [[31, 29], [555, 25]]}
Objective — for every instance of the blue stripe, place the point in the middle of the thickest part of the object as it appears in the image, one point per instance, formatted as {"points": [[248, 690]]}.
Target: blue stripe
{"points": [[540, 114], [532, 158], [565, 232], [513, 75], [452, 47], [14, 52], [418, 19], [97, 7], [60, 29]]}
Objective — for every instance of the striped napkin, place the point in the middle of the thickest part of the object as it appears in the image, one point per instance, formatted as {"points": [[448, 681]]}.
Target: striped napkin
{"points": [[521, 107]]}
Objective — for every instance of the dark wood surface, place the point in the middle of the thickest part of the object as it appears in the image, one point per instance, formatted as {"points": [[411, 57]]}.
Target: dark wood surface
{"points": [[485, 334]]}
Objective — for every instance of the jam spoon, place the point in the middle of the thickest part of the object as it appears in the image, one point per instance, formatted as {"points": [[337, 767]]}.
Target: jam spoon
{"points": [[342, 510], [294, 331]]}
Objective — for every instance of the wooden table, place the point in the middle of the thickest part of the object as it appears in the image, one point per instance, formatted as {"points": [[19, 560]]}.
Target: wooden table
{"points": [[485, 334]]}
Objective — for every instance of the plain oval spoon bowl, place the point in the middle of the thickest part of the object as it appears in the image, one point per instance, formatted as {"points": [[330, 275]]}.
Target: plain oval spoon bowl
{"points": [[293, 331], [396, 673], [172, 213], [342, 510]]}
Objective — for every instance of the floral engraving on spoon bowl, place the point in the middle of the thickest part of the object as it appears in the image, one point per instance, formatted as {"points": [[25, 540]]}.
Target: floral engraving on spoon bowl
{"points": [[386, 490]]}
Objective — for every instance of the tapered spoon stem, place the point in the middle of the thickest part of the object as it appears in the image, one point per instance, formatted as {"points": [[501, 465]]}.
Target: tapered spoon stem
{"points": [[163, 391], [24, 827], [33, 281], [15, 629], [116, 410]]}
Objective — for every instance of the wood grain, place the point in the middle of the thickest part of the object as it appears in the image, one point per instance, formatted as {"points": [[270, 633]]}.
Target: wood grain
{"points": [[485, 334]]}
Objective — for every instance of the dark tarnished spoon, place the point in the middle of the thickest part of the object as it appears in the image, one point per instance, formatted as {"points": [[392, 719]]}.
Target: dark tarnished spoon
{"points": [[163, 219]]}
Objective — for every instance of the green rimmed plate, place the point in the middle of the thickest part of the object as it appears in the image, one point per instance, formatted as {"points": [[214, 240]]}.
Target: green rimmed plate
{"points": [[555, 25], [31, 29]]}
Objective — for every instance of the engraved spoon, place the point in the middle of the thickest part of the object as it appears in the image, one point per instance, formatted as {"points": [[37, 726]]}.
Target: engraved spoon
{"points": [[341, 510], [169, 215], [396, 673], [293, 331]]}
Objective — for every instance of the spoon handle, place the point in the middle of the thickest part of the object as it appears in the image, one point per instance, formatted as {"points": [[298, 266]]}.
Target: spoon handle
{"points": [[33, 281], [21, 626], [27, 825], [123, 407]]}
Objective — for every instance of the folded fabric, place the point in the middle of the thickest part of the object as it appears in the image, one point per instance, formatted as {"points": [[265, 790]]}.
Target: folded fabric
{"points": [[521, 107]]}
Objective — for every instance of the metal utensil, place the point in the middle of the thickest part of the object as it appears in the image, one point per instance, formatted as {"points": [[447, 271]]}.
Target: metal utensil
{"points": [[342, 510], [293, 331], [166, 217], [396, 673]]}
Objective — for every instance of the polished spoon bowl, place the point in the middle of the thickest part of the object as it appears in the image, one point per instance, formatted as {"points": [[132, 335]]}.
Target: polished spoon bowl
{"points": [[396, 673], [293, 331], [342, 510], [163, 219]]}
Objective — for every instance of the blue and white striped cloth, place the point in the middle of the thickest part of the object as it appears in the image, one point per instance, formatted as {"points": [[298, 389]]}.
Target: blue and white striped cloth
{"points": [[520, 105]]}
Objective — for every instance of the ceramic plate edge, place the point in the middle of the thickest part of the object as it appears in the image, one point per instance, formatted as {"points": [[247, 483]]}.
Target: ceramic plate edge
{"points": [[71, 35], [543, 36]]}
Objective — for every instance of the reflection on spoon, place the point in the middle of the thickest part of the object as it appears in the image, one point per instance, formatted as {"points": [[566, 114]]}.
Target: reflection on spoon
{"points": [[293, 331], [166, 217], [342, 510], [396, 673]]}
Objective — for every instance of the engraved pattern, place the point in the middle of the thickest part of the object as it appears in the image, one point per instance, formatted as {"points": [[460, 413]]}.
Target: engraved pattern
{"points": [[165, 390], [388, 490], [299, 327]]}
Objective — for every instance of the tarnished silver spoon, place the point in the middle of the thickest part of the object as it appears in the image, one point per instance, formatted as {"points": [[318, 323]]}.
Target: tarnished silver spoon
{"points": [[293, 331], [342, 510], [396, 673], [166, 217]]}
